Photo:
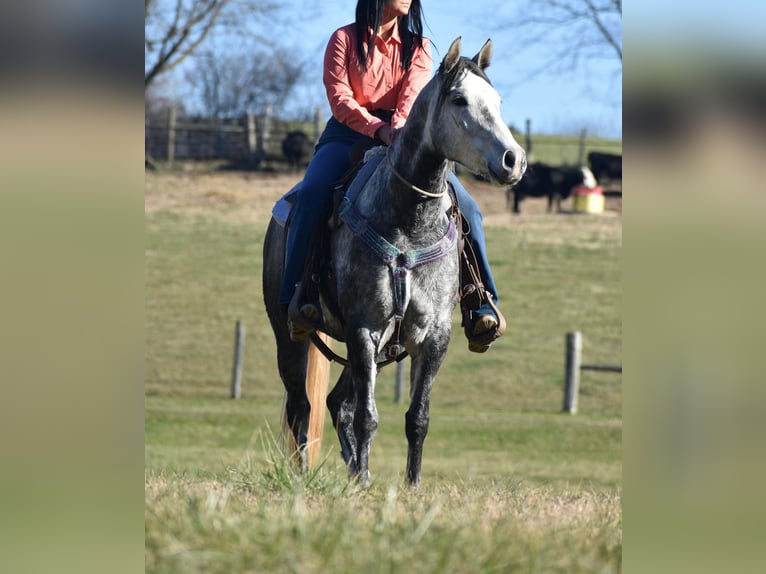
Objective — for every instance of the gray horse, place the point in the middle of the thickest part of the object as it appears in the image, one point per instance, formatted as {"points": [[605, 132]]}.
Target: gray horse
{"points": [[390, 296]]}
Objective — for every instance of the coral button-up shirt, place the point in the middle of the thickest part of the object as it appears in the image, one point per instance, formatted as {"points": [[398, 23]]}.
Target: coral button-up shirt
{"points": [[353, 93]]}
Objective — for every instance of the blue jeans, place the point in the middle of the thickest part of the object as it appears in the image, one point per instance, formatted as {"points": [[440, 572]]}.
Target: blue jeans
{"points": [[330, 162]]}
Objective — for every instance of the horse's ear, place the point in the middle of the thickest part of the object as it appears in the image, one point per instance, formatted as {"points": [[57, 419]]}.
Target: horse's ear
{"points": [[452, 57], [483, 58]]}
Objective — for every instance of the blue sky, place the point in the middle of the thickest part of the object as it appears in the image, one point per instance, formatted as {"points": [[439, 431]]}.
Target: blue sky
{"points": [[738, 22], [556, 103], [589, 98]]}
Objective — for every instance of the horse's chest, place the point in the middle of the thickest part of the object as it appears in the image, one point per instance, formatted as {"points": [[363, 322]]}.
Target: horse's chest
{"points": [[390, 287], [403, 276]]}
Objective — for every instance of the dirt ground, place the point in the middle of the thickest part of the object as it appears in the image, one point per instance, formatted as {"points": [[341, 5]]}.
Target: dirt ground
{"points": [[249, 197]]}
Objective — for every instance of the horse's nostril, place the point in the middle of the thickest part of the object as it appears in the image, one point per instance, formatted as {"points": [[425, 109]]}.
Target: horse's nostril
{"points": [[508, 160]]}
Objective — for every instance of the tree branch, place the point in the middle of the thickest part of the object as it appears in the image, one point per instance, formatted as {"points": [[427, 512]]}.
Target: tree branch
{"points": [[579, 27], [183, 35], [604, 32]]}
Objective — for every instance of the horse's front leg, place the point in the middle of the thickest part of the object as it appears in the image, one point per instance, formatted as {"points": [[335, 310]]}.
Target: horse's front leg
{"points": [[422, 375], [362, 354]]}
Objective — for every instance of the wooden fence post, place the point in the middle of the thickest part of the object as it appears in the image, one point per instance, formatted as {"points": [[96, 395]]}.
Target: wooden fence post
{"points": [[318, 124], [236, 372], [263, 133], [572, 371], [399, 382], [171, 135], [529, 139], [581, 153], [251, 139]]}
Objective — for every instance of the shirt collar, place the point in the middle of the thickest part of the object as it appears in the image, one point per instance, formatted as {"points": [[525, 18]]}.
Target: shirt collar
{"points": [[395, 37]]}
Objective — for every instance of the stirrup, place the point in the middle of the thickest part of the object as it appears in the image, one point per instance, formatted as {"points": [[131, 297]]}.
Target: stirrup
{"points": [[483, 333], [302, 318], [485, 329]]}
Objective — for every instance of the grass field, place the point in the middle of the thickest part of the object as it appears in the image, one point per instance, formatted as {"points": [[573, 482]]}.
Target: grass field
{"points": [[509, 483]]}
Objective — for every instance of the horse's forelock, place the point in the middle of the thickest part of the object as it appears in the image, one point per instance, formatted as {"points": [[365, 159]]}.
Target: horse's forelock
{"points": [[450, 78]]}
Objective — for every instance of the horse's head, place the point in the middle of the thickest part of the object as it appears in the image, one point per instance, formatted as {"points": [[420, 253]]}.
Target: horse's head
{"points": [[469, 128]]}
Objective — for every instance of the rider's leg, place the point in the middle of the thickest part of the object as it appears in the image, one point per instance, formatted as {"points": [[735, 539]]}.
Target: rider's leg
{"points": [[328, 165], [472, 214], [484, 319]]}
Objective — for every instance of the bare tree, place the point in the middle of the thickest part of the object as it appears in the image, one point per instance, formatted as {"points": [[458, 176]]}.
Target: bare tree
{"points": [[574, 30], [174, 29], [231, 84]]}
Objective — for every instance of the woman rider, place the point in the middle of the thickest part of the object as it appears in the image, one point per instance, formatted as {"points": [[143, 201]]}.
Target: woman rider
{"points": [[373, 71]]}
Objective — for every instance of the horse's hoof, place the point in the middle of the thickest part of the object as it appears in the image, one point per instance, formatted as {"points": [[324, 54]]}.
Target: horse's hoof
{"points": [[484, 332]]}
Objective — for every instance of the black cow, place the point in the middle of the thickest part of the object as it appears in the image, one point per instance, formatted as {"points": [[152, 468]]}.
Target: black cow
{"points": [[541, 180], [297, 148], [605, 166]]}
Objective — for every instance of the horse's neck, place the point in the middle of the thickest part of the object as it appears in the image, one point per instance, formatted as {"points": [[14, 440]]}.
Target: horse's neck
{"points": [[421, 168], [393, 204]]}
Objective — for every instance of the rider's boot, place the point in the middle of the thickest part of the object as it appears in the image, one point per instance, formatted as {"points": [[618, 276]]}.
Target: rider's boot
{"points": [[487, 325], [484, 327], [302, 317]]}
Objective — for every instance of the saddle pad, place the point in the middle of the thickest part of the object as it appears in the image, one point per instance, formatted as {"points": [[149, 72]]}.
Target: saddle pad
{"points": [[281, 210]]}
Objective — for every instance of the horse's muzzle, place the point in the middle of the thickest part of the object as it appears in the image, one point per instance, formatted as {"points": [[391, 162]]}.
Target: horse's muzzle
{"points": [[512, 168]]}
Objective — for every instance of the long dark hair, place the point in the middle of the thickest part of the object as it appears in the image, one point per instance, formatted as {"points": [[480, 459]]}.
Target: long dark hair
{"points": [[368, 14]]}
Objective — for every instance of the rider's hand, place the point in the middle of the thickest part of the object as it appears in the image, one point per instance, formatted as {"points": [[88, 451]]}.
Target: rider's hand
{"points": [[385, 134]]}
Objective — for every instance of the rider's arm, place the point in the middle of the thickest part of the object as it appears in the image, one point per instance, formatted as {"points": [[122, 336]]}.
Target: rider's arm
{"points": [[338, 59]]}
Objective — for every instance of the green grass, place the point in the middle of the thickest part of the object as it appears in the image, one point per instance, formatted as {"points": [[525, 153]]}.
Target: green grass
{"points": [[269, 518], [509, 483], [565, 150]]}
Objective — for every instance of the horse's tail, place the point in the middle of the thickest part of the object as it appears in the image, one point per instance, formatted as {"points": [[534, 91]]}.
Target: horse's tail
{"points": [[317, 379]]}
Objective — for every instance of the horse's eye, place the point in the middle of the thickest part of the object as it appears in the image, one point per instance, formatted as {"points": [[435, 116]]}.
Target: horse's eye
{"points": [[459, 100]]}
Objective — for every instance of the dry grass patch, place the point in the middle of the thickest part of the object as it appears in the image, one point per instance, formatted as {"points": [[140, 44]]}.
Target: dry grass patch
{"points": [[468, 527], [248, 197]]}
